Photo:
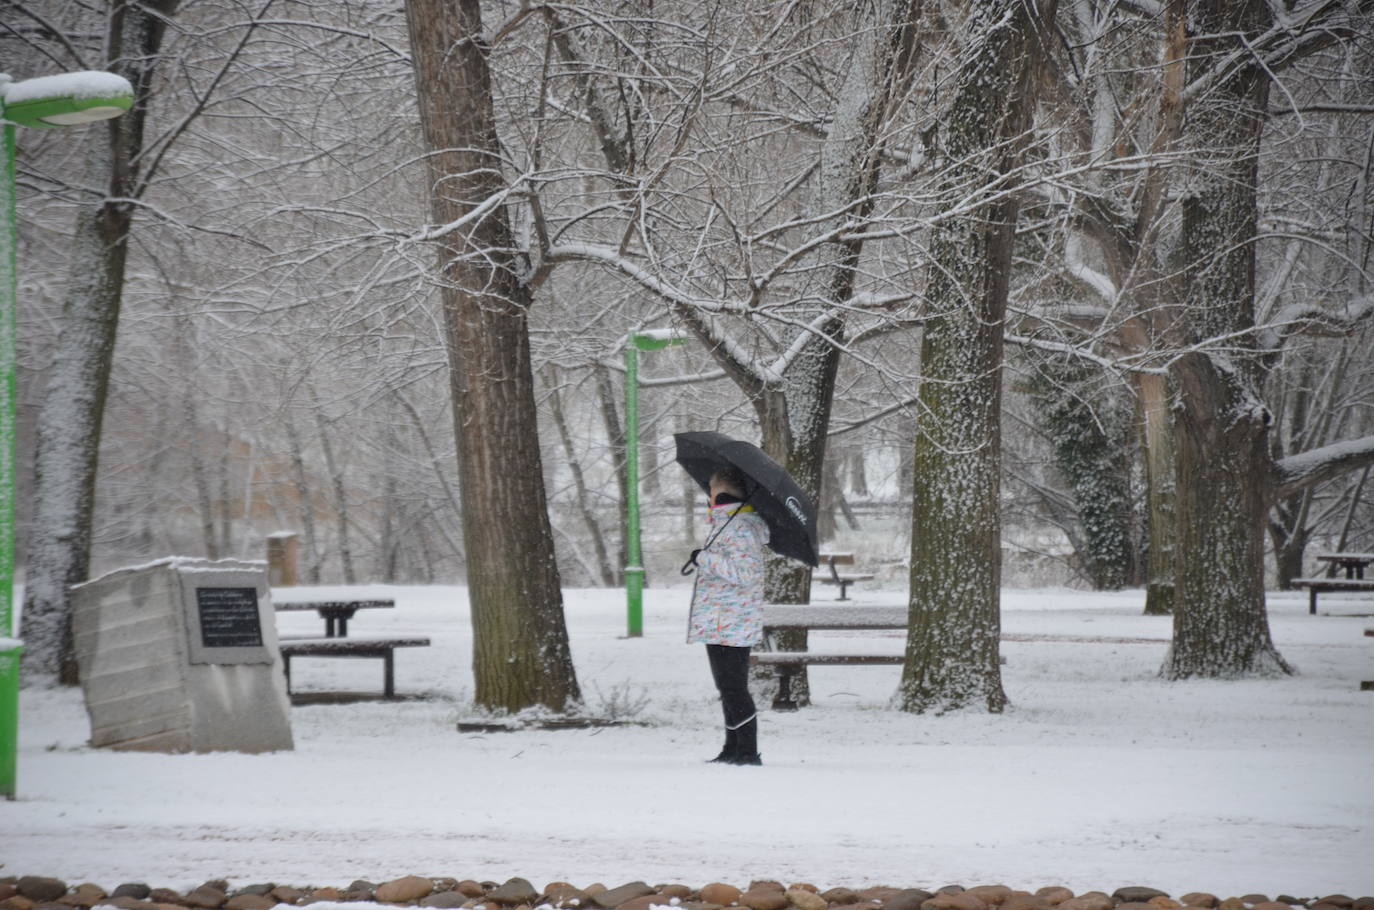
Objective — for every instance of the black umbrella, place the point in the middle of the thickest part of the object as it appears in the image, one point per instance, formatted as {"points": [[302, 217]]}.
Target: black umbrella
{"points": [[788, 512]]}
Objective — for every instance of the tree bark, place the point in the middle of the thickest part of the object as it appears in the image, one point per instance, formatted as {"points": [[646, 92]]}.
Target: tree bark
{"points": [[615, 437], [1091, 454], [521, 656], [1223, 464], [1160, 509], [71, 415], [952, 656], [340, 489], [305, 502], [605, 573]]}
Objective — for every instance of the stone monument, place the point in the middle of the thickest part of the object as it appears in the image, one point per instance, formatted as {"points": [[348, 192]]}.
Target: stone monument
{"points": [[180, 655]]}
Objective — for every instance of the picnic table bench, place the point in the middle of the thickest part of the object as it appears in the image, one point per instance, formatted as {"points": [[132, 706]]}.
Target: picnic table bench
{"points": [[832, 562], [783, 617], [1367, 685], [814, 618], [385, 648], [1354, 580], [336, 643]]}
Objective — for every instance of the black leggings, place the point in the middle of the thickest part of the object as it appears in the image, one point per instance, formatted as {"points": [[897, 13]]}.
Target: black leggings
{"points": [[730, 670]]}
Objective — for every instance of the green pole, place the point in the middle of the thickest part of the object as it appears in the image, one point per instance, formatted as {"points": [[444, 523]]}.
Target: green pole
{"points": [[10, 649], [634, 564], [67, 99]]}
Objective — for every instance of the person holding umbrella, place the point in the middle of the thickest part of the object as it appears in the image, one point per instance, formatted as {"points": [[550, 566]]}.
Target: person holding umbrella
{"points": [[727, 608], [753, 502]]}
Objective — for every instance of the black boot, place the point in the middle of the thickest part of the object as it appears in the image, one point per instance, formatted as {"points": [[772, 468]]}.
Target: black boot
{"points": [[747, 752], [731, 749]]}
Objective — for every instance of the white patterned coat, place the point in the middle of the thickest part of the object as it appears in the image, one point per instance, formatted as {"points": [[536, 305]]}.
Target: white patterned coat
{"points": [[727, 601]]}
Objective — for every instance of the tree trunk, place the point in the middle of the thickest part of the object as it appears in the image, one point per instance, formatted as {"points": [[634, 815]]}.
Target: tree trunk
{"points": [[858, 473], [388, 543], [1090, 453], [605, 573], [1161, 519], [190, 424], [451, 497], [795, 416], [1224, 464], [615, 436], [66, 456], [1289, 535], [305, 502], [521, 656], [336, 482], [952, 656], [226, 496], [1221, 628]]}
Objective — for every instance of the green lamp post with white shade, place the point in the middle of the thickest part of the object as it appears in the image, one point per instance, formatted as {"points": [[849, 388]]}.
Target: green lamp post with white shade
{"points": [[649, 340], [68, 99]]}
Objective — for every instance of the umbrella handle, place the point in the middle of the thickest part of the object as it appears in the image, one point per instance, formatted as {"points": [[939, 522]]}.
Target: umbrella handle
{"points": [[687, 567]]}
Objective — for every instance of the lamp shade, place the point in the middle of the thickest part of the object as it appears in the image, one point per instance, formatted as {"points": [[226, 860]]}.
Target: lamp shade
{"points": [[68, 99]]}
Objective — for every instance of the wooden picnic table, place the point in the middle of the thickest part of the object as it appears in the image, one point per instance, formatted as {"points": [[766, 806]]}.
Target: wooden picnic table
{"points": [[336, 613], [831, 561], [1352, 563], [1354, 580]]}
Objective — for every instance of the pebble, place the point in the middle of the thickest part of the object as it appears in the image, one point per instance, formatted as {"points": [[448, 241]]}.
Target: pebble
{"points": [[720, 893], [406, 890], [614, 897], [137, 890], [39, 889], [32, 892], [765, 898], [514, 892]]}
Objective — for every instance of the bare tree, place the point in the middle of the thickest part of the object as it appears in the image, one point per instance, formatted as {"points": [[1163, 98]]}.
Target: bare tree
{"points": [[70, 419], [520, 646], [952, 656], [1226, 475]]}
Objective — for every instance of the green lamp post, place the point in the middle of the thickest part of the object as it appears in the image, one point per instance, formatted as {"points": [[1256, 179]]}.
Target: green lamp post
{"points": [[68, 99], [650, 340]]}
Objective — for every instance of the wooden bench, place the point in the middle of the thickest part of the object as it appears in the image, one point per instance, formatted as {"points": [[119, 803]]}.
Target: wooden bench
{"points": [[788, 663], [812, 618], [384, 648], [1315, 586], [832, 560], [1367, 685]]}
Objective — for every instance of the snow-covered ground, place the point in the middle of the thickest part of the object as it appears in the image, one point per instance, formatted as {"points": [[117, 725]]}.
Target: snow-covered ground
{"points": [[1099, 775]]}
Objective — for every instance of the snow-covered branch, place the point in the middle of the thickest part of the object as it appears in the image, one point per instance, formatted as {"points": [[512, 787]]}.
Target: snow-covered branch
{"points": [[1315, 319], [1297, 472]]}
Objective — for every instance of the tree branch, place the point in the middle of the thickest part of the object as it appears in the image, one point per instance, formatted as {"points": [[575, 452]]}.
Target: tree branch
{"points": [[1298, 472]]}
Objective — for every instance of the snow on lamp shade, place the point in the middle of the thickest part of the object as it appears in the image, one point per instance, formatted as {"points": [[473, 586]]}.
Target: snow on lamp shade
{"points": [[68, 99]]}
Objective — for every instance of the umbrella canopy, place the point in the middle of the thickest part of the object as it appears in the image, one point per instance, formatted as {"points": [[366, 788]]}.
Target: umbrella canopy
{"points": [[788, 512]]}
